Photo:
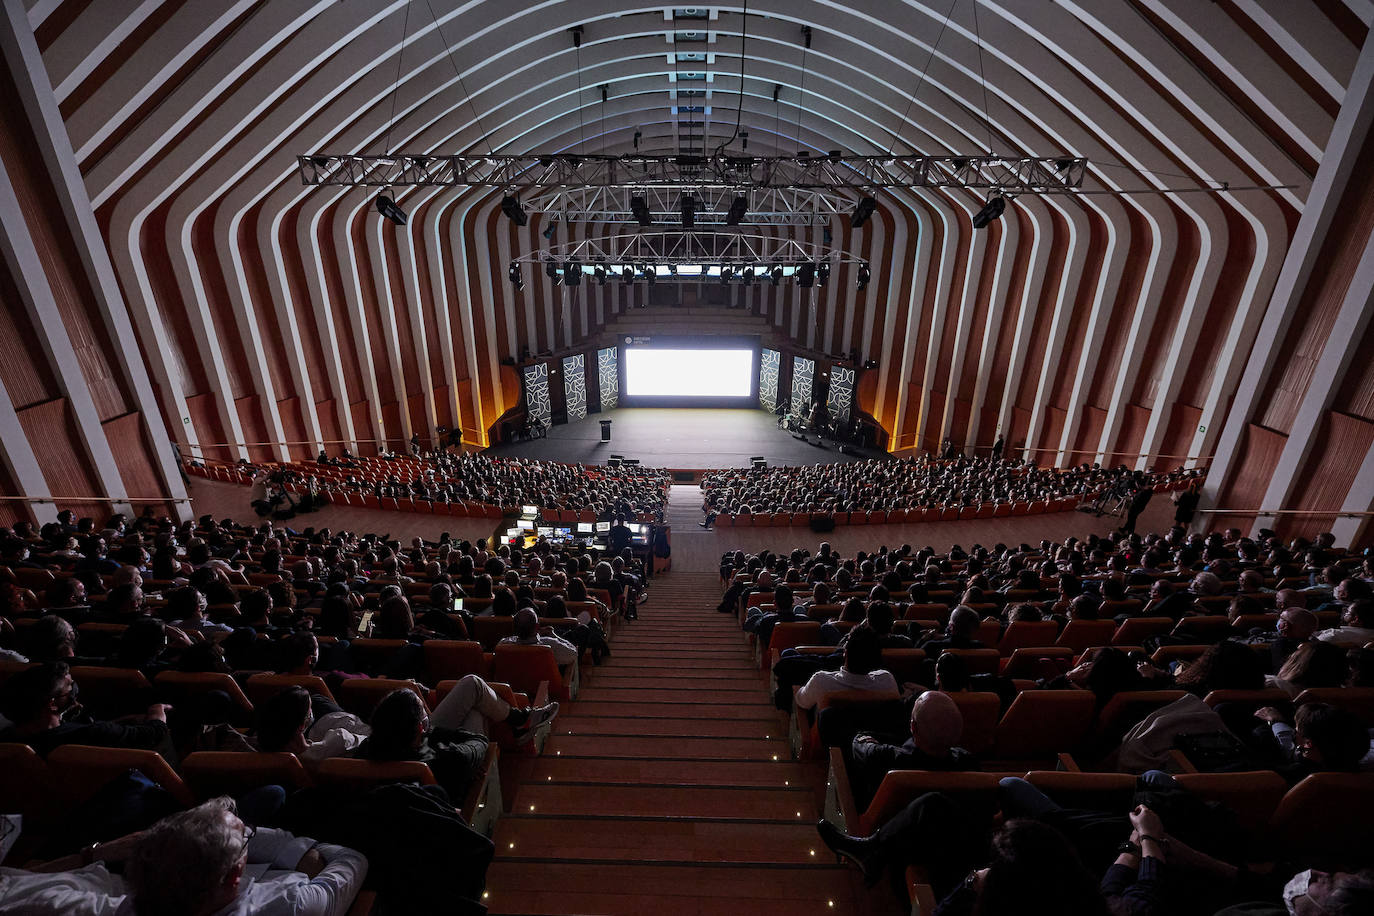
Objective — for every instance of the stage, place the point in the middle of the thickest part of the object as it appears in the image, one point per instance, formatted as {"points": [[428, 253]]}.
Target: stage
{"points": [[680, 437]]}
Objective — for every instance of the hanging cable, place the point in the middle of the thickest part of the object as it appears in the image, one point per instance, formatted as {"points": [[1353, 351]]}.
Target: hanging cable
{"points": [[777, 115], [467, 96], [978, 38], [801, 93], [739, 108], [921, 79], [605, 91], [581, 127], [396, 86]]}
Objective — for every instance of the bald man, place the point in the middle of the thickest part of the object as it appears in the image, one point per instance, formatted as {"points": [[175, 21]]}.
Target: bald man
{"points": [[936, 726], [527, 633]]}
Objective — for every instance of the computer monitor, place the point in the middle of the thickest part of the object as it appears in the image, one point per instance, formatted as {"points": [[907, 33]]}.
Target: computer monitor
{"points": [[529, 510], [513, 532], [603, 527], [635, 527], [525, 524], [545, 531], [584, 527], [562, 532]]}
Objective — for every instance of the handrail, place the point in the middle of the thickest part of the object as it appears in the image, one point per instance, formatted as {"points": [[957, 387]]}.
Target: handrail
{"points": [[1089, 451], [1333, 512], [94, 499]]}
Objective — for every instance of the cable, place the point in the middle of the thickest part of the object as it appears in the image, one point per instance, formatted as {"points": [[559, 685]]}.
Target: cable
{"points": [[739, 109], [801, 92], [459, 73], [396, 86], [581, 127], [921, 79], [978, 39]]}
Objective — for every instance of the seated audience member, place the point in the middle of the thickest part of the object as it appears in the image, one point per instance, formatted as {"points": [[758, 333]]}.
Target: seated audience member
{"points": [[186, 607], [1312, 664], [936, 725], [50, 639], [312, 728], [41, 703], [861, 671], [959, 632], [201, 862], [785, 610], [150, 646], [528, 633], [1321, 738], [1357, 626]]}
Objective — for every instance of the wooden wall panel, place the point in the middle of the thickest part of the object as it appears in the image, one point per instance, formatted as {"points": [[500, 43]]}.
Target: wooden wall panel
{"points": [[1260, 451], [1338, 449], [51, 428]]}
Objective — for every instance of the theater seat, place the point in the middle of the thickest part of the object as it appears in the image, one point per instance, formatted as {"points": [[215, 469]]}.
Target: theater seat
{"points": [[1135, 631], [360, 696], [788, 634], [1081, 635], [1324, 819], [1359, 700], [450, 659], [1253, 796], [1025, 633], [1025, 662], [979, 661], [213, 773], [981, 712], [79, 772], [355, 774], [1042, 723], [263, 686], [526, 668]]}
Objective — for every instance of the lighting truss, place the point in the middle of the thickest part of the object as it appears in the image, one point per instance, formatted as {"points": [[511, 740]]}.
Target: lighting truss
{"points": [[686, 255], [1005, 174], [767, 206]]}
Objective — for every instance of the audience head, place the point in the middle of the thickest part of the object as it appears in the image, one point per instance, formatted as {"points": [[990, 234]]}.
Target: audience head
{"points": [[50, 639], [1359, 614], [283, 721], [190, 863], [526, 623], [1330, 737], [1228, 665], [1035, 870], [863, 653], [936, 723], [963, 622], [1316, 664], [399, 724], [36, 698]]}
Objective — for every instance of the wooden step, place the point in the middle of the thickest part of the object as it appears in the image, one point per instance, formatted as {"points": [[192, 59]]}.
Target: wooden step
{"points": [[790, 804], [610, 706], [666, 726], [676, 772], [639, 679], [667, 840], [552, 886], [751, 694], [667, 748], [637, 669]]}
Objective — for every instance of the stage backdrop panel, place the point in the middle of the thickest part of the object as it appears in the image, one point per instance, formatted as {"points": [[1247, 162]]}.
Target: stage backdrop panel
{"points": [[537, 403], [769, 363], [841, 403], [575, 386], [608, 373], [803, 373]]}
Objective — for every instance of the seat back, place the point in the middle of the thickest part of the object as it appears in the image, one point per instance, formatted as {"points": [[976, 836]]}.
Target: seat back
{"points": [[1135, 631], [374, 654], [788, 634], [449, 659], [526, 667], [1325, 818], [979, 661], [178, 685], [112, 692], [1042, 723], [905, 664], [355, 774], [1026, 633], [1081, 635], [900, 787], [1253, 796], [1359, 700], [265, 685], [980, 711], [491, 630], [27, 787], [1025, 662], [1130, 706], [212, 773], [1254, 699], [360, 696], [80, 771], [1085, 791]]}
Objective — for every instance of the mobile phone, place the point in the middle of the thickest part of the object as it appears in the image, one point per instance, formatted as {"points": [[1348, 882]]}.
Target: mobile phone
{"points": [[457, 605], [365, 625]]}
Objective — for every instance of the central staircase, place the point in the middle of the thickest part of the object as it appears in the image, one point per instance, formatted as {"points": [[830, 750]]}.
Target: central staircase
{"points": [[667, 787]]}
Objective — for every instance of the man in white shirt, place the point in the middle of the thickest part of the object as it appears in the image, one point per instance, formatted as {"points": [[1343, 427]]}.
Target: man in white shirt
{"points": [[527, 633], [1357, 626], [862, 655], [201, 862]]}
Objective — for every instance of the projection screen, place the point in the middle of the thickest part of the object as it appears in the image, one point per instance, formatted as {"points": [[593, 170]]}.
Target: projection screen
{"points": [[688, 373]]}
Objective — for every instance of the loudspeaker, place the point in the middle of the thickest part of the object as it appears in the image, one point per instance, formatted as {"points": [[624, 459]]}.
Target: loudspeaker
{"points": [[822, 523]]}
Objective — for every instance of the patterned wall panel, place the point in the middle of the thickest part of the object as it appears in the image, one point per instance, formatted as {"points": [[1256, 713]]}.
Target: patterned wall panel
{"points": [[803, 373], [841, 402], [537, 394], [575, 386], [769, 361], [608, 373]]}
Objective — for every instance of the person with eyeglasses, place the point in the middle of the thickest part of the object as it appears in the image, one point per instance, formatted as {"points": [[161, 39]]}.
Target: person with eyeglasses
{"points": [[43, 709], [202, 862]]}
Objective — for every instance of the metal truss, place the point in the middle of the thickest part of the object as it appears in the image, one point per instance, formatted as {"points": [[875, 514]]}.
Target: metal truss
{"points": [[689, 248], [767, 206], [1004, 174]]}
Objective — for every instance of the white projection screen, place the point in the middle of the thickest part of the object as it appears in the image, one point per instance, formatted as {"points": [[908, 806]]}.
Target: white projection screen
{"points": [[660, 372]]}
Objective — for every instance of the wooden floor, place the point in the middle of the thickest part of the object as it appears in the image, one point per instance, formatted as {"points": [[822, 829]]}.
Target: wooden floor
{"points": [[667, 788]]}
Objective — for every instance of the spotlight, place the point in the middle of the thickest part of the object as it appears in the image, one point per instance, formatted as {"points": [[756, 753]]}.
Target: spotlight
{"points": [[572, 274], [775, 274], [806, 275], [640, 209], [600, 273], [823, 272], [747, 275], [387, 207], [990, 212], [688, 205], [550, 230], [864, 276], [863, 211], [551, 271], [738, 208], [627, 275], [651, 273], [511, 207], [672, 270], [725, 274], [514, 273]]}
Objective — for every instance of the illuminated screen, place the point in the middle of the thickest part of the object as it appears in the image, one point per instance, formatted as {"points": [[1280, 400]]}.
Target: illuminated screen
{"points": [[584, 527], [660, 372]]}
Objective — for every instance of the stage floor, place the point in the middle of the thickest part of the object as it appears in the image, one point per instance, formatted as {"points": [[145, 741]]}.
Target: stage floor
{"points": [[679, 437]]}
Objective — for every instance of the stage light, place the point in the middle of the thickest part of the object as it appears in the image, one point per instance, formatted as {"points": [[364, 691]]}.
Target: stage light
{"points": [[627, 275], [990, 212], [551, 271], [511, 207], [387, 207], [600, 273], [651, 272], [738, 208], [862, 212], [864, 276], [672, 270], [725, 274], [806, 275], [572, 274], [515, 278], [747, 275], [550, 230], [775, 274], [823, 272], [640, 209], [688, 206]]}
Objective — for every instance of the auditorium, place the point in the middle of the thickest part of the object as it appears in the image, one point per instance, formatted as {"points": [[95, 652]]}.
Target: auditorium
{"points": [[784, 457]]}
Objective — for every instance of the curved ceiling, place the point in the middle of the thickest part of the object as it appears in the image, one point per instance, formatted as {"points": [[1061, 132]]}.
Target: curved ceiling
{"points": [[1097, 325]]}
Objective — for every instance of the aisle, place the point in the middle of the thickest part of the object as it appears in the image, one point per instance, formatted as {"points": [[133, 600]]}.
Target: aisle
{"points": [[667, 787]]}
